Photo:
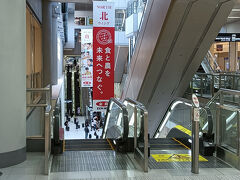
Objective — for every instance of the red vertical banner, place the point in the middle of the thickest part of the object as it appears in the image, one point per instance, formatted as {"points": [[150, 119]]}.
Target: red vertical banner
{"points": [[103, 54]]}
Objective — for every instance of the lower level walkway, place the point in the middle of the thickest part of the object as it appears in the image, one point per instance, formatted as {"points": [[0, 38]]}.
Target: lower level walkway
{"points": [[32, 169]]}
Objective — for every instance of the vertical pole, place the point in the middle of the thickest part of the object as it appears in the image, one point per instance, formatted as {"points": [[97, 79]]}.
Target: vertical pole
{"points": [[195, 140], [46, 142], [135, 127], [212, 85], [145, 141], [201, 86]]}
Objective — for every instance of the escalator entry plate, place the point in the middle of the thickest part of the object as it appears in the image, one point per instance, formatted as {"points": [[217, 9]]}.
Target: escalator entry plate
{"points": [[174, 157]]}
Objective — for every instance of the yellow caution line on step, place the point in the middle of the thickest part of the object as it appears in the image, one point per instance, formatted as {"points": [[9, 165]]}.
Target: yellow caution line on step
{"points": [[181, 143], [110, 144], [183, 129]]}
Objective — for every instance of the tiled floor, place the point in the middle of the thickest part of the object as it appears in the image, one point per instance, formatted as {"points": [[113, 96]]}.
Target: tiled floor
{"points": [[32, 170]]}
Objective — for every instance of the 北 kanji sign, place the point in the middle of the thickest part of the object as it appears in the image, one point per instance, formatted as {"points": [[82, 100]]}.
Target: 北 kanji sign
{"points": [[103, 54]]}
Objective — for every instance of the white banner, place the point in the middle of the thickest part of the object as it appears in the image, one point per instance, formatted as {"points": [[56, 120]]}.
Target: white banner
{"points": [[103, 14], [87, 58]]}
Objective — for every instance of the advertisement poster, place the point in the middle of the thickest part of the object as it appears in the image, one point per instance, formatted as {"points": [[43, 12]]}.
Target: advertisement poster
{"points": [[87, 57], [103, 54]]}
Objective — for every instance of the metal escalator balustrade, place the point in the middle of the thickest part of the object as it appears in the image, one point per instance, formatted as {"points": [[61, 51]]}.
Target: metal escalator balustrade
{"points": [[177, 125], [116, 124], [225, 108], [138, 129]]}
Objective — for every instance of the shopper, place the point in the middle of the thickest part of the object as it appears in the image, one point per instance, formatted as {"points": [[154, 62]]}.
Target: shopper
{"points": [[86, 132]]}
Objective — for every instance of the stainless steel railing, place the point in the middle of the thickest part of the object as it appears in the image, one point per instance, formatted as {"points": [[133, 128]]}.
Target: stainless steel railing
{"points": [[47, 122]]}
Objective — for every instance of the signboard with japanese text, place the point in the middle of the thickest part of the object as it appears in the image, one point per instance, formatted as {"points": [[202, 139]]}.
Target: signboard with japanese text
{"points": [[87, 58], [103, 14], [103, 54]]}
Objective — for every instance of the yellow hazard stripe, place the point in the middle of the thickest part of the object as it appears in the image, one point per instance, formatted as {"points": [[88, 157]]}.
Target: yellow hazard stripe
{"points": [[180, 143], [175, 157], [183, 129], [110, 144]]}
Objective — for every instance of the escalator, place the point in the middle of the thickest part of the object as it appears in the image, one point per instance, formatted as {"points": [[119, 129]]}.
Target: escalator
{"points": [[170, 147], [169, 52]]}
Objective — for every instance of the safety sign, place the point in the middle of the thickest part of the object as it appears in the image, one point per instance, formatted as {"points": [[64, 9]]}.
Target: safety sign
{"points": [[175, 157]]}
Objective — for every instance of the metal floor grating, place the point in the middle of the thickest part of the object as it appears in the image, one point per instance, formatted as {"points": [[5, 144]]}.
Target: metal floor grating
{"points": [[71, 161], [212, 162]]}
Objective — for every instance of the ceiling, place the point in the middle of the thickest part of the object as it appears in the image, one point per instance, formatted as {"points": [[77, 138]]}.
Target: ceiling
{"points": [[234, 16]]}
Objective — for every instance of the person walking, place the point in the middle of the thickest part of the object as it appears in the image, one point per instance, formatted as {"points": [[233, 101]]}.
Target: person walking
{"points": [[86, 132]]}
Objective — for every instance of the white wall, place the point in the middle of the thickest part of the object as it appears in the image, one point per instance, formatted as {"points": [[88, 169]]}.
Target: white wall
{"points": [[120, 38], [12, 75], [119, 4], [231, 28]]}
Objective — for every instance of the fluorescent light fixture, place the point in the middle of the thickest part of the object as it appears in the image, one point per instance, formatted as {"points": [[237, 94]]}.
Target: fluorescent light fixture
{"points": [[235, 10], [234, 17]]}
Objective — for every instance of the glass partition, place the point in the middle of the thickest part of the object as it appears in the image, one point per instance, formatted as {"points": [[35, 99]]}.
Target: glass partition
{"points": [[206, 85], [229, 128], [116, 123]]}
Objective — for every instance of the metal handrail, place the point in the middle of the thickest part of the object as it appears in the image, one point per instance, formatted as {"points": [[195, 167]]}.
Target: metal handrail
{"points": [[47, 121], [125, 116]]}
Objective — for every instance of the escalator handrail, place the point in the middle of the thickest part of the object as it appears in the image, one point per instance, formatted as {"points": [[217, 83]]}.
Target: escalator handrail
{"points": [[189, 102], [125, 117]]}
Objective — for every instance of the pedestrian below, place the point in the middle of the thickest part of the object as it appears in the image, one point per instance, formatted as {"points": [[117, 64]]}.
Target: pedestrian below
{"points": [[86, 132], [77, 123]]}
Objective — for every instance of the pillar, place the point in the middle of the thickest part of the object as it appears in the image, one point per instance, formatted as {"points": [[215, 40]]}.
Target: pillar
{"points": [[13, 82], [233, 56]]}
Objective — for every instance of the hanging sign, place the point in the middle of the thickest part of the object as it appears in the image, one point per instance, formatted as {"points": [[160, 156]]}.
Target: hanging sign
{"points": [[86, 58], [103, 54]]}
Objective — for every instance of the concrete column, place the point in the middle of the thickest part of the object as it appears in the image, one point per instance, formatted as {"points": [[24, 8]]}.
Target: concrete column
{"points": [[233, 56], [54, 61], [47, 41], [13, 82]]}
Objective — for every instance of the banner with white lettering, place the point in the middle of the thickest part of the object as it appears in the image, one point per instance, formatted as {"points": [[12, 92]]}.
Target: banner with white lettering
{"points": [[103, 54], [87, 57]]}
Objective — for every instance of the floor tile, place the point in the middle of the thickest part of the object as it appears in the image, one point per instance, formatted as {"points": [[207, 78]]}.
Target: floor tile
{"points": [[21, 177], [229, 171], [42, 177], [77, 175]]}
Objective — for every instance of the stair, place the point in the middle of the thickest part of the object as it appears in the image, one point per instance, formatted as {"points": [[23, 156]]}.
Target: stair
{"points": [[87, 145]]}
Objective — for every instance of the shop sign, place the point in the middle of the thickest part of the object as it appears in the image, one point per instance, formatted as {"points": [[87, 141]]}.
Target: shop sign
{"points": [[228, 37], [103, 54]]}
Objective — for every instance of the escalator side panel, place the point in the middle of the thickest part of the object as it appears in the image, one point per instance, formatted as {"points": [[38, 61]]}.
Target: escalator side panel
{"points": [[180, 49]]}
